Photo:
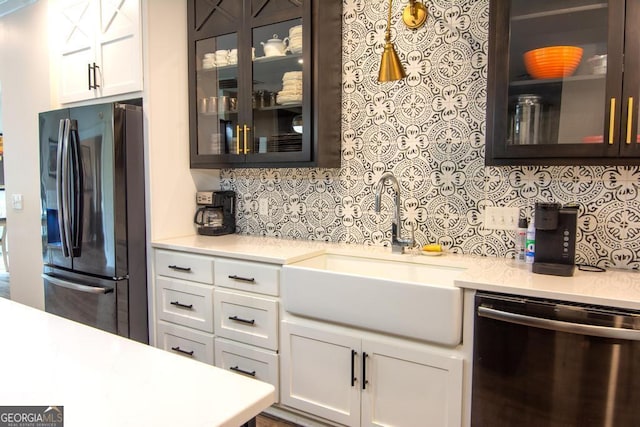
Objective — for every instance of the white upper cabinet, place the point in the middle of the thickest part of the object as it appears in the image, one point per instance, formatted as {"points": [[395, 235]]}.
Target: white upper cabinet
{"points": [[99, 47]]}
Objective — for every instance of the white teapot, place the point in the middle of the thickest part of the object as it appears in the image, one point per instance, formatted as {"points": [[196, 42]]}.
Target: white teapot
{"points": [[275, 46]]}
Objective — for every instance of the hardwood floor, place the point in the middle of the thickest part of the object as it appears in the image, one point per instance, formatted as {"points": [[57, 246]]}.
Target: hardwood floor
{"points": [[268, 421]]}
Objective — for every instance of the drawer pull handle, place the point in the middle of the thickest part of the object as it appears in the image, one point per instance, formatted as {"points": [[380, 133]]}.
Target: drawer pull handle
{"points": [[241, 320], [179, 350], [244, 279], [242, 371], [178, 304], [178, 268]]}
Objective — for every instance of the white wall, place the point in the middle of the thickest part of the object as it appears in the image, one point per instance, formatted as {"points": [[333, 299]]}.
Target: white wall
{"points": [[24, 73], [172, 185]]}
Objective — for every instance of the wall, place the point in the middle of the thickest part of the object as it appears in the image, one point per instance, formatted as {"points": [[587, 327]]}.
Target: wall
{"points": [[429, 131], [172, 185], [25, 92]]}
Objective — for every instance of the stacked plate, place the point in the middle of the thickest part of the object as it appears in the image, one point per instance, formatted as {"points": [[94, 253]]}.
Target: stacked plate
{"points": [[295, 39], [284, 143], [291, 92]]}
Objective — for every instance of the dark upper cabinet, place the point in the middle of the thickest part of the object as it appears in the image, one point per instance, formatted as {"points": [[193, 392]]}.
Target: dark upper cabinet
{"points": [[586, 117], [265, 83]]}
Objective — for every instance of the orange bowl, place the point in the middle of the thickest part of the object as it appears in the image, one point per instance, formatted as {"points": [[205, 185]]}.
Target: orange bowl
{"points": [[552, 62]]}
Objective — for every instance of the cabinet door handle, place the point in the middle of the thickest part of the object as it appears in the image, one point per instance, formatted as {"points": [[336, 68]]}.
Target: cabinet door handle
{"points": [[612, 119], [241, 320], [353, 367], [242, 371], [178, 268], [237, 139], [629, 119], [243, 279], [89, 75], [246, 138], [179, 350], [178, 304], [364, 370], [95, 80]]}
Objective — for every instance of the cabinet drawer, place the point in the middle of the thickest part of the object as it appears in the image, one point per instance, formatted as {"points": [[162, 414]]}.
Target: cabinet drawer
{"points": [[250, 361], [185, 342], [197, 268], [249, 319], [248, 276], [186, 303]]}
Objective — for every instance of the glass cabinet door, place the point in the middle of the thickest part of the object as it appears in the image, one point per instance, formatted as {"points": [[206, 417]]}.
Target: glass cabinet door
{"points": [[277, 88], [558, 65], [217, 95], [631, 90], [556, 81]]}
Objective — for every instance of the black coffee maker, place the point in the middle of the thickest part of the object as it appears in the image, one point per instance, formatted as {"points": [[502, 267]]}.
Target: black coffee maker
{"points": [[556, 228], [216, 215]]}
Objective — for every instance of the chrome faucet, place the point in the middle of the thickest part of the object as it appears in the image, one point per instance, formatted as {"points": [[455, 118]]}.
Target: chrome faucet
{"points": [[398, 244]]}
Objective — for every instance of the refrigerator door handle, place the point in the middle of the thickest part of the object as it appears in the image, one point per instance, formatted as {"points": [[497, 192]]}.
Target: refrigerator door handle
{"points": [[76, 286], [77, 190], [60, 183], [66, 209]]}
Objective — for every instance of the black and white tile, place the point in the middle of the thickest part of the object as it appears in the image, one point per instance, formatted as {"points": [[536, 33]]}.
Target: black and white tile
{"points": [[429, 130]]}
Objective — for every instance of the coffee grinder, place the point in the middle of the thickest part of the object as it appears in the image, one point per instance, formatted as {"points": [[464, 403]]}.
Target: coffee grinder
{"points": [[556, 228]]}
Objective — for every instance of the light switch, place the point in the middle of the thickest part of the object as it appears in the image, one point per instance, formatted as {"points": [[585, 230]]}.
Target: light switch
{"points": [[16, 201]]}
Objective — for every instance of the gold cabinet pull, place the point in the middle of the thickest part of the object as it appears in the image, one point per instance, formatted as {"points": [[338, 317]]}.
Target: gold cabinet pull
{"points": [[237, 139], [629, 119], [612, 119], [246, 131]]}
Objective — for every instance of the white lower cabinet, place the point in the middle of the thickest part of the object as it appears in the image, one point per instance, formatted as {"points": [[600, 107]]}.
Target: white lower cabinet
{"points": [[185, 342], [247, 360], [369, 382]]}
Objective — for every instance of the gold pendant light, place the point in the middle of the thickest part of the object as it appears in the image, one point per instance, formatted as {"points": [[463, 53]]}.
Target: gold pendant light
{"points": [[390, 66]]}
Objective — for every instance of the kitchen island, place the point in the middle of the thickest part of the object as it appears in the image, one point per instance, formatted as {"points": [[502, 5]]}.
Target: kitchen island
{"points": [[102, 379]]}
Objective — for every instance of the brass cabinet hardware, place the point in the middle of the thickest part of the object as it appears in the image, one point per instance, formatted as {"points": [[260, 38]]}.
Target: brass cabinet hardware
{"points": [[629, 119], [612, 119], [246, 131], [237, 139]]}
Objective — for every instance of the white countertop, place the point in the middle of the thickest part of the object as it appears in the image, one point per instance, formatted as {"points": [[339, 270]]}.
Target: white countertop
{"points": [[262, 249], [618, 288], [102, 379]]}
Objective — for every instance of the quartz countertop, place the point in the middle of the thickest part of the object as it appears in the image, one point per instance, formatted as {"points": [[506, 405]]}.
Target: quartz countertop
{"points": [[102, 379], [617, 288]]}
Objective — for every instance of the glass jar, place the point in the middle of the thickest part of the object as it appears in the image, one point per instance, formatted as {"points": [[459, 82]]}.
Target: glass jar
{"points": [[527, 118]]}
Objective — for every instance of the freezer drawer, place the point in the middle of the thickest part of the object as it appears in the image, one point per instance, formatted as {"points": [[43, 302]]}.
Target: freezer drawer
{"points": [[95, 302]]}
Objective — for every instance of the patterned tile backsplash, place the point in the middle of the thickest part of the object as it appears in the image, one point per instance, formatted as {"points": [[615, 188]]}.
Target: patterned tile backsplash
{"points": [[428, 129]]}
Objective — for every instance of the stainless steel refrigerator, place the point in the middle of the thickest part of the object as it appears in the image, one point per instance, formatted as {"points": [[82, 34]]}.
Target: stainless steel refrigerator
{"points": [[94, 245]]}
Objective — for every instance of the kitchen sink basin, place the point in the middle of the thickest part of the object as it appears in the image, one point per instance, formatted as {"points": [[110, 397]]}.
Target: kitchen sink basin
{"points": [[401, 298]]}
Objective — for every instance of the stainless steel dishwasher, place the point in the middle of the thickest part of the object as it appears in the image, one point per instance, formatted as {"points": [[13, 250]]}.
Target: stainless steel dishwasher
{"points": [[549, 363]]}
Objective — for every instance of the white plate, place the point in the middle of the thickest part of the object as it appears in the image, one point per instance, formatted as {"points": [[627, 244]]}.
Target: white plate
{"points": [[431, 253]]}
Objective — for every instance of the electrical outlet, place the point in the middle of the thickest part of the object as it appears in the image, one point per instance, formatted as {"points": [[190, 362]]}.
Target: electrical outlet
{"points": [[501, 218], [263, 206]]}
